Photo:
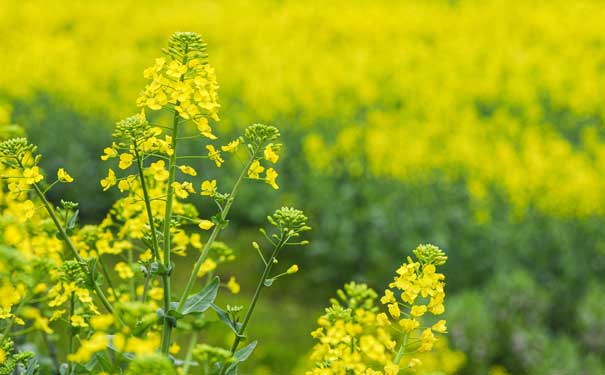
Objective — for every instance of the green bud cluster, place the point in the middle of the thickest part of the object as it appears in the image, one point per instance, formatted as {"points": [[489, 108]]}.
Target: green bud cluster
{"points": [[72, 271], [211, 355], [430, 254], [186, 46], [14, 360], [289, 221], [16, 149], [133, 129], [356, 296], [151, 364], [259, 135]]}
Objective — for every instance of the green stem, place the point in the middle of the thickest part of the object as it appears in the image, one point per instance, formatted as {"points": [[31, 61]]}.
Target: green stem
{"points": [[401, 351], [192, 343], [71, 246], [154, 237], [167, 328], [70, 339], [109, 282], [255, 297], [213, 234]]}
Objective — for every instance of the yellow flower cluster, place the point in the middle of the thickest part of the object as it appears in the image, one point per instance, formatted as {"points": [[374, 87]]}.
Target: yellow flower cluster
{"points": [[354, 337], [519, 119]]}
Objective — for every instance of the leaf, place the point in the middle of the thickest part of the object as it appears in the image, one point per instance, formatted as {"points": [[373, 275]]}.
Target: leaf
{"points": [[240, 356], [224, 317], [73, 220], [200, 302]]}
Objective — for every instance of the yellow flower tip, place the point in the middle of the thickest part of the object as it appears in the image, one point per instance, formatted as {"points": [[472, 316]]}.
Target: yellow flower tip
{"points": [[214, 155], [2, 356], [293, 269], [205, 224], [440, 327], [270, 154], [414, 362], [408, 325], [209, 188], [271, 176], [391, 369], [78, 321], [110, 180], [233, 285], [125, 161], [255, 170], [418, 310], [188, 170], [63, 176], [382, 320], [394, 310], [174, 348], [124, 271], [109, 152]]}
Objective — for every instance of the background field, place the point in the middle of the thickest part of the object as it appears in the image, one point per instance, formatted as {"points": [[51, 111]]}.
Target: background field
{"points": [[474, 125]]}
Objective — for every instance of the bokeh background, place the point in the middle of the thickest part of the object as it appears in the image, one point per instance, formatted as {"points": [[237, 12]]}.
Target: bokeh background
{"points": [[473, 125]]}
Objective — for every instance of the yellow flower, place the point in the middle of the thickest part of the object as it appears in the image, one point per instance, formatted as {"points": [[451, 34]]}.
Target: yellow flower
{"points": [[231, 146], [391, 369], [88, 347], [388, 297], [63, 176], [207, 266], [187, 170], [209, 188], [440, 327], [2, 356], [427, 340], [214, 155], [205, 224], [109, 181], [394, 310], [174, 348], [109, 152], [382, 319], [414, 362], [32, 175], [255, 170], [146, 256], [125, 161], [408, 325], [204, 128], [233, 286], [271, 175], [78, 321], [101, 322], [270, 154], [418, 310], [124, 270], [158, 169], [293, 269]]}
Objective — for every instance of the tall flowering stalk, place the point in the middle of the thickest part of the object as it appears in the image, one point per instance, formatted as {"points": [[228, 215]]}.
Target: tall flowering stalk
{"points": [[121, 320]]}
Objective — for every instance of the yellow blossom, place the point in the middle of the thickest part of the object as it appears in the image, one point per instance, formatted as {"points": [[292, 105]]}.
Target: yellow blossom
{"points": [[125, 161], [233, 286], [418, 310], [205, 224], [63, 176], [209, 188], [270, 154], [124, 270], [187, 170], [271, 176], [255, 170], [440, 327], [78, 321], [293, 269], [109, 181], [231, 146], [214, 155]]}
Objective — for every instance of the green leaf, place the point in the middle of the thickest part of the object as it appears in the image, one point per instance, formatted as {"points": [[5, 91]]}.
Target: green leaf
{"points": [[224, 317], [200, 302], [240, 356]]}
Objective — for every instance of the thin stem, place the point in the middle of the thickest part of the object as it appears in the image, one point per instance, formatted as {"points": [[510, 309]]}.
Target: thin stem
{"points": [[192, 343], [255, 297], [213, 235], [71, 246], [167, 328], [154, 237], [109, 282], [70, 339], [401, 351]]}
